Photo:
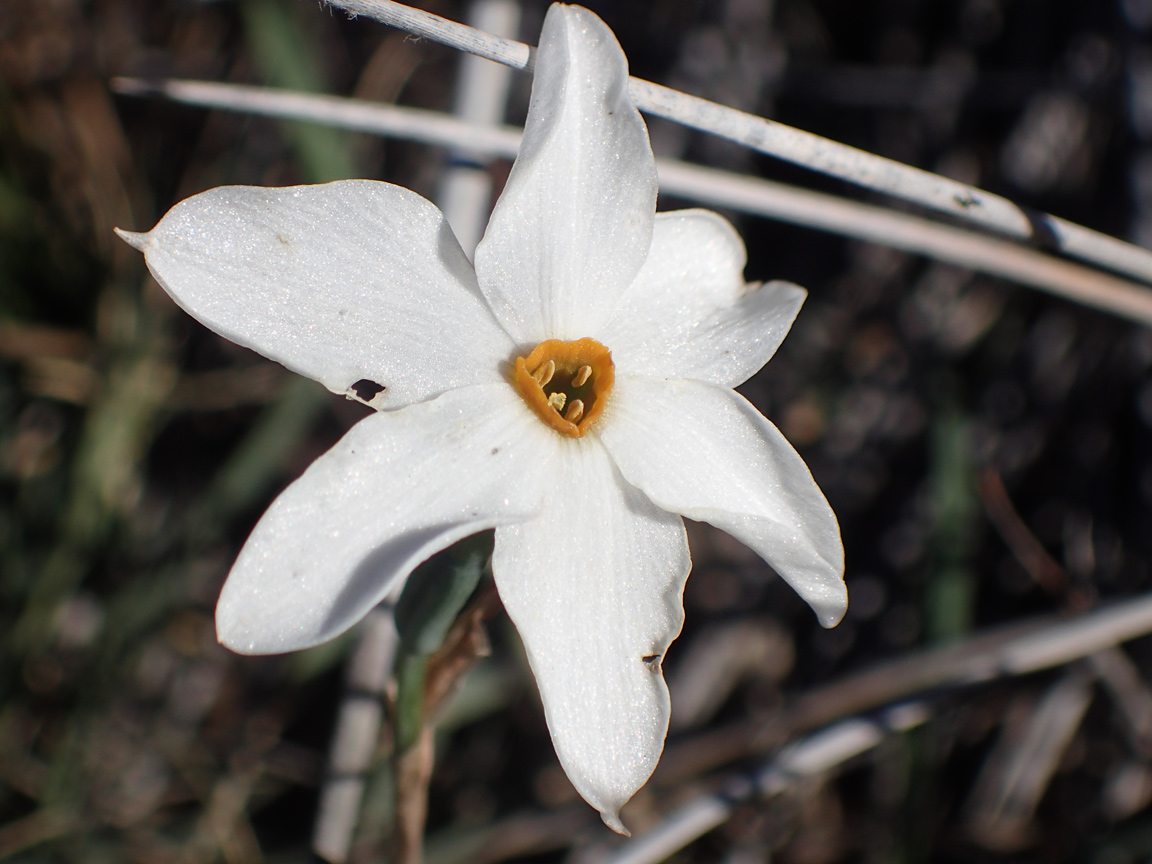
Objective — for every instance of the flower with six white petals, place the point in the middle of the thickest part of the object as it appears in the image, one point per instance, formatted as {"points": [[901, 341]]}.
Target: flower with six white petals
{"points": [[572, 391]]}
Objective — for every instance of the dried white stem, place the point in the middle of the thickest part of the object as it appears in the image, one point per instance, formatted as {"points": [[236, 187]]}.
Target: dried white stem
{"points": [[803, 148], [357, 733], [819, 753], [1032, 743], [429, 127], [1051, 646], [910, 234], [465, 195], [709, 186], [1070, 640], [443, 30]]}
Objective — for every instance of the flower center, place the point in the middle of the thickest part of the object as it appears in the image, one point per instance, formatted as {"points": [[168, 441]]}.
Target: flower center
{"points": [[566, 383]]}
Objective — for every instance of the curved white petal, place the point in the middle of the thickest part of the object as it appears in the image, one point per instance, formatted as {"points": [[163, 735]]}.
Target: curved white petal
{"points": [[573, 225], [706, 453], [341, 282], [400, 486], [689, 314], [594, 586]]}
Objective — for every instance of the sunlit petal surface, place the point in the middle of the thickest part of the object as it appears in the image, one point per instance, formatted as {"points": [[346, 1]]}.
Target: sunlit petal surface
{"points": [[706, 453], [573, 224], [594, 587], [689, 313], [397, 488], [346, 282]]}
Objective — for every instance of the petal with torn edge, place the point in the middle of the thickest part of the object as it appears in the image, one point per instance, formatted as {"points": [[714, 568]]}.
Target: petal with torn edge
{"points": [[704, 452], [349, 281], [574, 222], [400, 486], [594, 587], [689, 314]]}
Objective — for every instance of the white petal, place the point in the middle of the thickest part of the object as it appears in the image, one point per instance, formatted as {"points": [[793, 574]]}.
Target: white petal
{"points": [[572, 228], [706, 453], [342, 282], [689, 313], [397, 488], [594, 586]]}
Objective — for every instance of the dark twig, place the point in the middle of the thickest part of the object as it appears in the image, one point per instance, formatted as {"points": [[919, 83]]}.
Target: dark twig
{"points": [[1030, 552]]}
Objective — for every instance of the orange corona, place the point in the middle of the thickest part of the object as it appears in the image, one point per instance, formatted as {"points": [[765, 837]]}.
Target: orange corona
{"points": [[566, 383]]}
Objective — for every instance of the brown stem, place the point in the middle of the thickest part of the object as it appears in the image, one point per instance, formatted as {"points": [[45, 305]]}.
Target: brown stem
{"points": [[413, 772], [465, 643], [1016, 534]]}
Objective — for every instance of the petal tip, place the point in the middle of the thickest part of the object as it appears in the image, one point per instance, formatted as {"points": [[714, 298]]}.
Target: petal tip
{"points": [[134, 239], [831, 612], [828, 620], [788, 296], [233, 641], [242, 629], [231, 631], [612, 820]]}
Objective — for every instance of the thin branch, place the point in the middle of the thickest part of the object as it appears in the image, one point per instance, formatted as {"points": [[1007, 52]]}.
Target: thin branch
{"points": [[357, 733], [509, 52], [465, 195], [1027, 550], [964, 202], [1130, 694], [22, 341], [1070, 640], [910, 234], [516, 836], [818, 754], [706, 185], [1018, 651], [357, 115], [222, 389], [1020, 768]]}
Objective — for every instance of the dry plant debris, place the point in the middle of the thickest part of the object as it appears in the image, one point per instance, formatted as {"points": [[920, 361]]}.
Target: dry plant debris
{"points": [[988, 451]]}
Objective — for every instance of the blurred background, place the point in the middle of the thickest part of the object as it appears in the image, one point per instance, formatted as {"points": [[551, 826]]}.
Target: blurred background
{"points": [[987, 449]]}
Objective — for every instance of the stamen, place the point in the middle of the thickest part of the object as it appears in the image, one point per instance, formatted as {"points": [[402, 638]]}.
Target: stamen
{"points": [[582, 376], [544, 374], [575, 410], [557, 400]]}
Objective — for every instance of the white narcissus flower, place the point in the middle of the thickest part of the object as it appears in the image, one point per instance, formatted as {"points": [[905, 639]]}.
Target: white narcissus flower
{"points": [[573, 391]]}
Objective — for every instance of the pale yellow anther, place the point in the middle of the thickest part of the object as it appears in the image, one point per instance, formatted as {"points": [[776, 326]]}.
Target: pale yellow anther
{"points": [[557, 400], [581, 376], [575, 410], [544, 374]]}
